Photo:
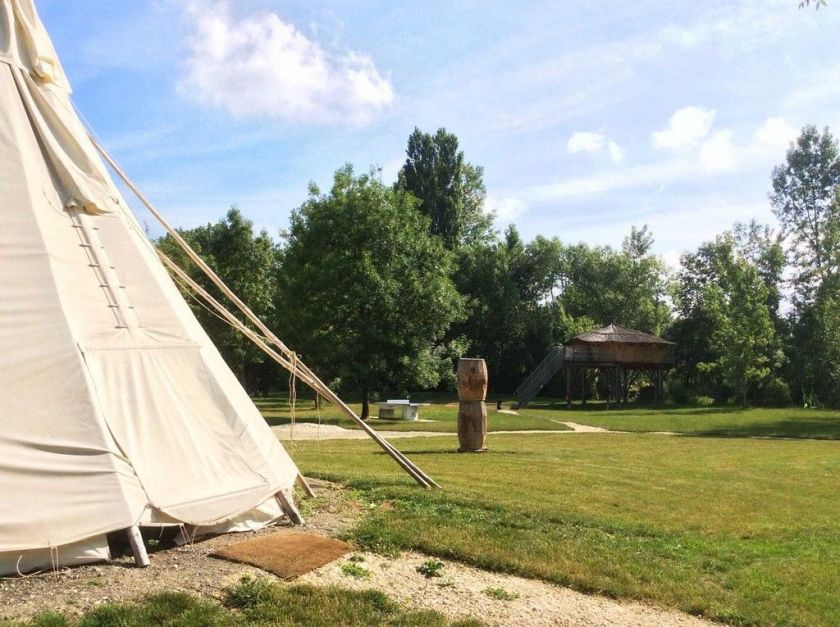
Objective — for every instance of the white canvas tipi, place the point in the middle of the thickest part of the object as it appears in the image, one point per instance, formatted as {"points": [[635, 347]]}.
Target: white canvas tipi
{"points": [[116, 410]]}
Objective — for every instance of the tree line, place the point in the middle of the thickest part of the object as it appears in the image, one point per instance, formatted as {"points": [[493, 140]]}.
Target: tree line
{"points": [[381, 286]]}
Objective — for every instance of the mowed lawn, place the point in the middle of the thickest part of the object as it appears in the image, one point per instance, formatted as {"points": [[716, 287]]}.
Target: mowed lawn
{"points": [[791, 422], [741, 530], [441, 415], [549, 414]]}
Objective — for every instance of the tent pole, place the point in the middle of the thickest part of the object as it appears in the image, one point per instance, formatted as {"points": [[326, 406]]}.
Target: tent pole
{"points": [[141, 557], [303, 483], [287, 504], [303, 372]]}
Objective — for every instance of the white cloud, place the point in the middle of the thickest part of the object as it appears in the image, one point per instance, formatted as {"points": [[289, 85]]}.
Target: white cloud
{"points": [[615, 151], [586, 141], [583, 141], [717, 152], [261, 65], [776, 132], [505, 209], [687, 127]]}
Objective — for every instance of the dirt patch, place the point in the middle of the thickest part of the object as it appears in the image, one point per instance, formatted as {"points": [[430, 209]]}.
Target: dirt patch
{"points": [[286, 554], [579, 428], [496, 599]]}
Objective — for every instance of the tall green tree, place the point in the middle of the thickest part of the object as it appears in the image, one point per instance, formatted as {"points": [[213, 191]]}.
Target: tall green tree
{"points": [[725, 335], [450, 190], [247, 261], [626, 287], [805, 201], [366, 294], [816, 357]]}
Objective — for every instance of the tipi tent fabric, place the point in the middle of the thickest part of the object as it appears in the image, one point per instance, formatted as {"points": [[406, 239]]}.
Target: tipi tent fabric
{"points": [[115, 407]]}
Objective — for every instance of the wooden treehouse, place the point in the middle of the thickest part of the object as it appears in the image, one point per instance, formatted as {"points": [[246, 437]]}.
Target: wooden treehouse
{"points": [[620, 355]]}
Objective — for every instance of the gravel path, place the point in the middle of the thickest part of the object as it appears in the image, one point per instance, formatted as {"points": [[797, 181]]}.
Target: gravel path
{"points": [[312, 431], [460, 591]]}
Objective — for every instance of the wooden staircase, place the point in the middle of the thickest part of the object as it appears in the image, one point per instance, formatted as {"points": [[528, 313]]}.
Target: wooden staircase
{"points": [[541, 375]]}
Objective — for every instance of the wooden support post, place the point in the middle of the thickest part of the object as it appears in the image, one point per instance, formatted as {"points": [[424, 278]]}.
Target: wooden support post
{"points": [[583, 386], [287, 503], [609, 386], [569, 386], [659, 386], [303, 483], [141, 557], [625, 387]]}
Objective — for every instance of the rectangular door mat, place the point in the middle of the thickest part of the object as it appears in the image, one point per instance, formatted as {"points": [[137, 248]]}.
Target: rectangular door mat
{"points": [[286, 554]]}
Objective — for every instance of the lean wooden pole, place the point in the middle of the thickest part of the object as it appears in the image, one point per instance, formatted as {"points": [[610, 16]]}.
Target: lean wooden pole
{"points": [[301, 371]]}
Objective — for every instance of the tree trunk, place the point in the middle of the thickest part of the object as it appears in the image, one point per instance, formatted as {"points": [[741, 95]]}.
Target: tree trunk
{"points": [[365, 404]]}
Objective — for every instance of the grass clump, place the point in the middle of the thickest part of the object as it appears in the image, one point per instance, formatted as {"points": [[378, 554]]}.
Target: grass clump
{"points": [[500, 594], [173, 609], [352, 569], [430, 568], [248, 592], [285, 606], [254, 603]]}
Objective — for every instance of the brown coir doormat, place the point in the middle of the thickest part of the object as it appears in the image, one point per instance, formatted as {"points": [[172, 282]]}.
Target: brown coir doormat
{"points": [[286, 555]]}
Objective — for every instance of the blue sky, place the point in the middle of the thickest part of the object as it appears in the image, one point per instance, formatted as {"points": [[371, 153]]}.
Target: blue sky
{"points": [[588, 117]]}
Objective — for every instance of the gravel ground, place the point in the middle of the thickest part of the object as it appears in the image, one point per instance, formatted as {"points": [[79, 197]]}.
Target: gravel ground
{"points": [[459, 592], [462, 592]]}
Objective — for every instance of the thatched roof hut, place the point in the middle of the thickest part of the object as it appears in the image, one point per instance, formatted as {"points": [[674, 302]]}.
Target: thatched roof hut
{"points": [[615, 345]]}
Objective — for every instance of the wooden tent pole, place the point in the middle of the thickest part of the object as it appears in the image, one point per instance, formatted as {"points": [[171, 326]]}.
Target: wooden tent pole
{"points": [[301, 371], [141, 557]]}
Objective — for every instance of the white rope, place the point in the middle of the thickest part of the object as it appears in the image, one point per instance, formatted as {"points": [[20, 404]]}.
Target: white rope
{"points": [[318, 410], [292, 398]]}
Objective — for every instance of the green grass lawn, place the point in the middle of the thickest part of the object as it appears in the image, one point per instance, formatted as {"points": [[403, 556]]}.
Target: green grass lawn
{"points": [[253, 603], [793, 422], [548, 414], [443, 411], [741, 530]]}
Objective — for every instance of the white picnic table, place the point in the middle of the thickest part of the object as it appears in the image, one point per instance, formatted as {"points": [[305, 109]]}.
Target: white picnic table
{"points": [[399, 408]]}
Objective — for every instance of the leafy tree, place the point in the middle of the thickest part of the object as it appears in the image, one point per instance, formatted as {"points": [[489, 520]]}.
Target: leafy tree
{"points": [[366, 293], [817, 341], [626, 287], [451, 190], [762, 247], [247, 262], [512, 322], [805, 201], [725, 335]]}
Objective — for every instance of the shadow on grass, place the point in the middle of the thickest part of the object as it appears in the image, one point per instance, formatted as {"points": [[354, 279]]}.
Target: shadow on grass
{"points": [[815, 429], [600, 406]]}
